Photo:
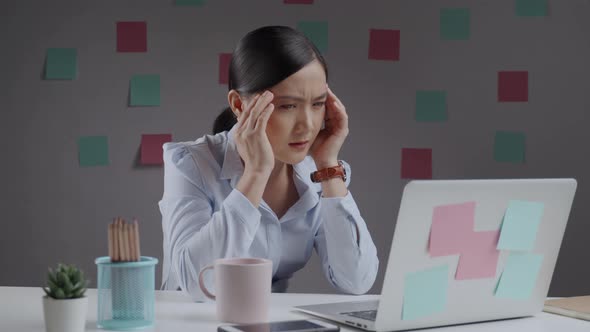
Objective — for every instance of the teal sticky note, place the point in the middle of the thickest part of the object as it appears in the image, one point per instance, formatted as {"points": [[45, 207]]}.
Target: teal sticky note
{"points": [[531, 7], [145, 90], [454, 24], [519, 278], [317, 32], [61, 64], [425, 292], [196, 3], [520, 225], [431, 106], [509, 147], [93, 151]]}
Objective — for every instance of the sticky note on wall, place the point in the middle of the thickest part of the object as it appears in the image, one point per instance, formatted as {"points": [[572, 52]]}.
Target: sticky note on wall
{"points": [[454, 23], [224, 62], [513, 86], [384, 44], [61, 64], [298, 2], [131, 37], [416, 163], [195, 3], [530, 7], [151, 148], [520, 225], [93, 151], [317, 32], [509, 147], [431, 106], [519, 278], [145, 90], [425, 292]]}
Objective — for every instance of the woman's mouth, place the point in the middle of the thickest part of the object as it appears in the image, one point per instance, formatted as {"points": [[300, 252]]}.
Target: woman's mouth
{"points": [[299, 145]]}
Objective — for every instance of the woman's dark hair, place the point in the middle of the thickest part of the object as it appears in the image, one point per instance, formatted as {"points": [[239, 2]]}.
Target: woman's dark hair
{"points": [[263, 58]]}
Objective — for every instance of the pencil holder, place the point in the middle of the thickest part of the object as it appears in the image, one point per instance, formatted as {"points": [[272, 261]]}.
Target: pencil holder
{"points": [[126, 293]]}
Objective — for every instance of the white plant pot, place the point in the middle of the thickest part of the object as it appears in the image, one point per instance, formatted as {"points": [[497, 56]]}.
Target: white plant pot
{"points": [[65, 315]]}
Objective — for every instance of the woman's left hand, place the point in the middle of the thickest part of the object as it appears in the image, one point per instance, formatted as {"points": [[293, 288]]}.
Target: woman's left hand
{"points": [[327, 144]]}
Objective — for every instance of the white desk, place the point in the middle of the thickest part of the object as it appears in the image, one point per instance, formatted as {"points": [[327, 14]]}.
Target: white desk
{"points": [[21, 310]]}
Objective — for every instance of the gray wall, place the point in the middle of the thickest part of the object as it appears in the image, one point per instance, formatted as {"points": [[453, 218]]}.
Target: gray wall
{"points": [[53, 210]]}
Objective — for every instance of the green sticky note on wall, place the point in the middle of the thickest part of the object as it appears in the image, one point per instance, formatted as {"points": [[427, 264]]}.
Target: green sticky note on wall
{"points": [[531, 7], [509, 147], [425, 292], [431, 106], [317, 32], [93, 151], [61, 64], [145, 90], [454, 24], [196, 3], [520, 225], [519, 278]]}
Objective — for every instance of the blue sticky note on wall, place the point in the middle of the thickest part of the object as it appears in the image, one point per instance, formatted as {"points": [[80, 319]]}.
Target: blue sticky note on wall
{"points": [[509, 147], [425, 292], [145, 90], [520, 225], [454, 23], [61, 64], [519, 278], [93, 151], [317, 32], [531, 7], [431, 106]]}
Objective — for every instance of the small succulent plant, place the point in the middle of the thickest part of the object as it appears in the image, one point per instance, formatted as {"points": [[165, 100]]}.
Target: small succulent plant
{"points": [[65, 282]]}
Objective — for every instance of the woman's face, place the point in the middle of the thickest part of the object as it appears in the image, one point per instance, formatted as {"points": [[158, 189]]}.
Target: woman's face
{"points": [[299, 109]]}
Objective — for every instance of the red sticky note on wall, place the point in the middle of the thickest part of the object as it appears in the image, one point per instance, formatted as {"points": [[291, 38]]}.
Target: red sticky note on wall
{"points": [[151, 148], [513, 86], [300, 2], [224, 61], [416, 163], [384, 44], [131, 37]]}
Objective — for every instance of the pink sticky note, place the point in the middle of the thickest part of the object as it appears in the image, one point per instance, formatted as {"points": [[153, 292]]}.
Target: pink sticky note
{"points": [[224, 61], [513, 86], [300, 2], [480, 259], [416, 163], [452, 229], [151, 148], [131, 37], [384, 44]]}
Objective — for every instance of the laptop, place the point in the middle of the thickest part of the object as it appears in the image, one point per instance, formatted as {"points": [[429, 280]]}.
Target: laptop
{"points": [[424, 284]]}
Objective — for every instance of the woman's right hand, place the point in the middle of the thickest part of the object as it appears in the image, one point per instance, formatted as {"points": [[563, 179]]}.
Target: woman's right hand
{"points": [[250, 136]]}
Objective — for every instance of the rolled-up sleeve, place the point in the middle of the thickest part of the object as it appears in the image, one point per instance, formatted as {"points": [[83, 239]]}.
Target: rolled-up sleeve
{"points": [[346, 249], [194, 235]]}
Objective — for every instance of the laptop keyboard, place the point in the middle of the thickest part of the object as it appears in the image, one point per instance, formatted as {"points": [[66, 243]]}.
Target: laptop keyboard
{"points": [[363, 314]]}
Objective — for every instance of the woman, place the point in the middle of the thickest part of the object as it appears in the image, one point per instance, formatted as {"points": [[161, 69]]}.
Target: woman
{"points": [[246, 191]]}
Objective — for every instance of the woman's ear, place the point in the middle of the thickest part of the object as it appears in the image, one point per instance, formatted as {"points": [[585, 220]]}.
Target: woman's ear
{"points": [[235, 102]]}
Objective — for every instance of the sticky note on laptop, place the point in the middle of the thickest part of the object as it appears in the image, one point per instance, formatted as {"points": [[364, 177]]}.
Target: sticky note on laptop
{"points": [[452, 228], [520, 225], [519, 278], [425, 292]]}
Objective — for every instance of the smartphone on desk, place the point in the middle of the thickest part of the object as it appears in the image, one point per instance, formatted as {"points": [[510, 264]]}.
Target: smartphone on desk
{"points": [[303, 325]]}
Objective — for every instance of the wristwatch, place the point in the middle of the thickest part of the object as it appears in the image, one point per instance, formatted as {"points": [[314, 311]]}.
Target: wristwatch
{"points": [[329, 173]]}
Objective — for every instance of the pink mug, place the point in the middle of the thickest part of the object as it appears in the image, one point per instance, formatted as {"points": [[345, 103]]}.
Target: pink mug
{"points": [[243, 287]]}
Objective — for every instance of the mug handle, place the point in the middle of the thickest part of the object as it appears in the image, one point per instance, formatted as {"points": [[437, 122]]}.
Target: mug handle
{"points": [[202, 283]]}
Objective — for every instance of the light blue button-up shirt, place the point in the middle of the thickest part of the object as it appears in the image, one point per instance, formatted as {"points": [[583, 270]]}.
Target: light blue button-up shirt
{"points": [[204, 217]]}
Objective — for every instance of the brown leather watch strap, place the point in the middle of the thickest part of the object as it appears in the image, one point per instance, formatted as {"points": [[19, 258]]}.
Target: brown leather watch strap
{"points": [[329, 173]]}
